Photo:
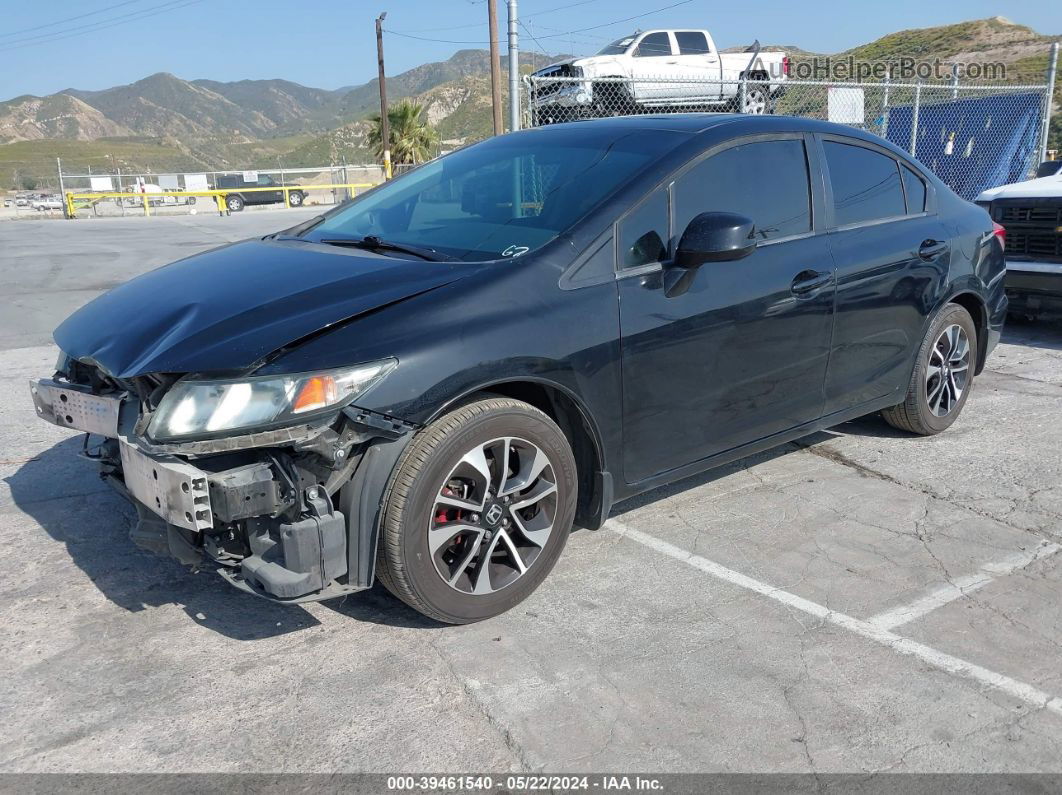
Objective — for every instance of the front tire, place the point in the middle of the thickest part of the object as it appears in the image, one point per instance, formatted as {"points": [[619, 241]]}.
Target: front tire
{"points": [[478, 511], [942, 377]]}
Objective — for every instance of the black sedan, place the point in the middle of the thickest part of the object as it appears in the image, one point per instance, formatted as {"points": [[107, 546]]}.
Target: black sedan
{"points": [[432, 384]]}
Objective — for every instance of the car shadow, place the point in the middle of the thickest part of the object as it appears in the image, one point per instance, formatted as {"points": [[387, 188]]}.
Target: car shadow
{"points": [[63, 495]]}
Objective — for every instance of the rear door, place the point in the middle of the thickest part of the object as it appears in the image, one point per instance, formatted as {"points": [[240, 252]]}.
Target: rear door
{"points": [[740, 354], [892, 255]]}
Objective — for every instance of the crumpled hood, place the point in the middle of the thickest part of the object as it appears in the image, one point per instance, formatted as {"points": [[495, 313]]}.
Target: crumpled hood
{"points": [[228, 308]]}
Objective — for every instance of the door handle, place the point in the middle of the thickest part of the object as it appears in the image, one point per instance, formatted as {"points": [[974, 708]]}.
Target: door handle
{"points": [[932, 248], [808, 281]]}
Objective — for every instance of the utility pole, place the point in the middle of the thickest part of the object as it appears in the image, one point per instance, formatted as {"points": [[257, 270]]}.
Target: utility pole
{"points": [[385, 125], [1052, 70], [62, 190], [514, 69], [495, 67]]}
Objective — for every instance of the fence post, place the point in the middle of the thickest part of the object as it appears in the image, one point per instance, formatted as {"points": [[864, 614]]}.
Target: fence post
{"points": [[885, 107], [954, 81], [742, 92], [914, 118], [1052, 70]]}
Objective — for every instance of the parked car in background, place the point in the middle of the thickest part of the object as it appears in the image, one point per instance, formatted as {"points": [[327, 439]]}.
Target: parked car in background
{"points": [[1031, 214], [658, 69], [157, 196], [429, 385], [47, 203], [240, 196]]}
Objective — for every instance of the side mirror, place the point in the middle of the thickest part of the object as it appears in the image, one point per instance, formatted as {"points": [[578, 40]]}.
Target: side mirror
{"points": [[715, 237]]}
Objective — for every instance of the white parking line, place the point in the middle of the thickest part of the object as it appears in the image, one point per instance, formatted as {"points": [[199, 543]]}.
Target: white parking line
{"points": [[960, 587], [1012, 687]]}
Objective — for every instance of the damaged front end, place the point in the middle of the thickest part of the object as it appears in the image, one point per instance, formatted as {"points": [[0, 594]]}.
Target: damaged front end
{"points": [[263, 479]]}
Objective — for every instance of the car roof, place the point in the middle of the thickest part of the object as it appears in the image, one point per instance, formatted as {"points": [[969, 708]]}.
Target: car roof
{"points": [[735, 124]]}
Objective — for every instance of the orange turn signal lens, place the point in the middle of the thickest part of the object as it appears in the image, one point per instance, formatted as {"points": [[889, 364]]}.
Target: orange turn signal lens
{"points": [[316, 392]]}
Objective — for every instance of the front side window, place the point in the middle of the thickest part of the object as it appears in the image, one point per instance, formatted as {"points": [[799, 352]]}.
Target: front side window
{"points": [[766, 181], [499, 199], [692, 42], [644, 232], [654, 44], [866, 184]]}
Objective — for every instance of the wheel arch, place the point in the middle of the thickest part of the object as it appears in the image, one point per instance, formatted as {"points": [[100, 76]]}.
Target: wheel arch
{"points": [[975, 305], [566, 409]]}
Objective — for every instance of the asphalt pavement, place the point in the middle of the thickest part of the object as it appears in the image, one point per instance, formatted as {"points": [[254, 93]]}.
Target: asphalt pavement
{"points": [[858, 601]]}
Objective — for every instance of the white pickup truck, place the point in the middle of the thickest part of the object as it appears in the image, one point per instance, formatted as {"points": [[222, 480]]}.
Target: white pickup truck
{"points": [[1031, 214], [665, 69]]}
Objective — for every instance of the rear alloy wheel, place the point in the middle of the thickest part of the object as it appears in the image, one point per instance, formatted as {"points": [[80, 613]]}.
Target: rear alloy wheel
{"points": [[479, 511], [295, 198], [234, 203], [942, 377]]}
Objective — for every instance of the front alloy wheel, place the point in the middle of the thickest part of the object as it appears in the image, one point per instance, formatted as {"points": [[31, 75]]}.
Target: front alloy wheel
{"points": [[478, 511], [493, 515]]}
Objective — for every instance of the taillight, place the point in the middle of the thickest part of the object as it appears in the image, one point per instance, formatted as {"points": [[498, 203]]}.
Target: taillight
{"points": [[785, 65], [1000, 234]]}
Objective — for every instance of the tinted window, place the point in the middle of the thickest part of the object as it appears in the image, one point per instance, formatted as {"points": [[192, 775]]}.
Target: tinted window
{"points": [[766, 181], [501, 198], [915, 189], [691, 42], [644, 232], [654, 44], [866, 184]]}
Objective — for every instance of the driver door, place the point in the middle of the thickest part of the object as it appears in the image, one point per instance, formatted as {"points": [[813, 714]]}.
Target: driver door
{"points": [[741, 353], [654, 67]]}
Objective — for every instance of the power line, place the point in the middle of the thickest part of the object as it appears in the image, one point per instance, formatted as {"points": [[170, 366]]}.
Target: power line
{"points": [[104, 24], [562, 35], [68, 19]]}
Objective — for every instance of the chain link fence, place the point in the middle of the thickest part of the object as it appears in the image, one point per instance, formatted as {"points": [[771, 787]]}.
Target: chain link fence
{"points": [[973, 136]]}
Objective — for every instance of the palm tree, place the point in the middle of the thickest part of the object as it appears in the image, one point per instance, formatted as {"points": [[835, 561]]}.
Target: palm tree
{"points": [[413, 140]]}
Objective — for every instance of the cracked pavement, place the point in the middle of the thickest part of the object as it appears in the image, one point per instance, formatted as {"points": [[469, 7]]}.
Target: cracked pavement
{"points": [[625, 659]]}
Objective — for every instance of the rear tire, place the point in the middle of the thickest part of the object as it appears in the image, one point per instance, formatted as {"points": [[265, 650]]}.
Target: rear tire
{"points": [[942, 377], [464, 538], [295, 198], [234, 203]]}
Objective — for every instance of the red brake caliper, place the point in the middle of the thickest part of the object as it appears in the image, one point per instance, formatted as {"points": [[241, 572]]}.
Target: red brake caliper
{"points": [[449, 514]]}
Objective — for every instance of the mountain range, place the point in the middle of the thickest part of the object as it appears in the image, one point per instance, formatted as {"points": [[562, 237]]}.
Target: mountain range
{"points": [[164, 122]]}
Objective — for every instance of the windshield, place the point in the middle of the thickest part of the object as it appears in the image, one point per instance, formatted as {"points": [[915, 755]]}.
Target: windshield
{"points": [[618, 47], [500, 198]]}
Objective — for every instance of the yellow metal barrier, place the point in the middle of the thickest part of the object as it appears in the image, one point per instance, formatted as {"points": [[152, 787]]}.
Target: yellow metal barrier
{"points": [[218, 195]]}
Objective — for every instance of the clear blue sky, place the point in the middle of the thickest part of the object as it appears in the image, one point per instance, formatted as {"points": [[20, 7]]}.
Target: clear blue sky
{"points": [[330, 43]]}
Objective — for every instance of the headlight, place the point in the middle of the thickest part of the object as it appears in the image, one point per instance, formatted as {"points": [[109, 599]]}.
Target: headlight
{"points": [[197, 408]]}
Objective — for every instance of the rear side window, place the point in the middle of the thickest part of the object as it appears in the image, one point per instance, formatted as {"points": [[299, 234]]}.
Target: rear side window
{"points": [[866, 184], [734, 181], [915, 190], [654, 44], [643, 233], [691, 42]]}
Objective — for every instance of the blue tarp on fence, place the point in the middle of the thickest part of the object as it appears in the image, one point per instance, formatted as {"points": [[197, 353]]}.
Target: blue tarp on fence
{"points": [[973, 144]]}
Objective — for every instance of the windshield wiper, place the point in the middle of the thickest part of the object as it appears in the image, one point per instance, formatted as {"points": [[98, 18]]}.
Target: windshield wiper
{"points": [[374, 243]]}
